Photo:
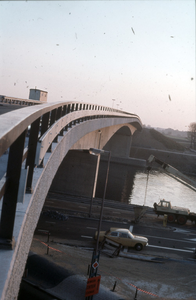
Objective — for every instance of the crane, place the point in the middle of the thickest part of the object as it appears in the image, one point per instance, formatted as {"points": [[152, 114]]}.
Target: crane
{"points": [[172, 172]]}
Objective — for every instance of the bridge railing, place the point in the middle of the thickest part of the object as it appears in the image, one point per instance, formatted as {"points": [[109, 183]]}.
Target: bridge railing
{"points": [[41, 125], [19, 101]]}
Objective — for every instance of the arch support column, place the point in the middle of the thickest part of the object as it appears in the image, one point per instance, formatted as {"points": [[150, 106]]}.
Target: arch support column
{"points": [[120, 143]]}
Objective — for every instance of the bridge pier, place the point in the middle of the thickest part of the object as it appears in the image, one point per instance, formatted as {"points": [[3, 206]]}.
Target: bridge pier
{"points": [[120, 143]]}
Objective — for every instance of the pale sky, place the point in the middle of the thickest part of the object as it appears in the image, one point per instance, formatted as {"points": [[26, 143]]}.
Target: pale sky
{"points": [[140, 53]]}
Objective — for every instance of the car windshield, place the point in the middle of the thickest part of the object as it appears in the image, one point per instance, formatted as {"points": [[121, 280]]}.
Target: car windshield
{"points": [[130, 235], [123, 234], [114, 233]]}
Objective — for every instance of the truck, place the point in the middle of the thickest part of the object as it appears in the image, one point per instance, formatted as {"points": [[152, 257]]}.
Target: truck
{"points": [[174, 212], [164, 207]]}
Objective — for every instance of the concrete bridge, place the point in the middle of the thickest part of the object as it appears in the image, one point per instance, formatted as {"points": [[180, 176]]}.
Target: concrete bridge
{"points": [[52, 130]]}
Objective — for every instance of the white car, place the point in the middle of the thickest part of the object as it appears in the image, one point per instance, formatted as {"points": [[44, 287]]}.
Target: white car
{"points": [[124, 237]]}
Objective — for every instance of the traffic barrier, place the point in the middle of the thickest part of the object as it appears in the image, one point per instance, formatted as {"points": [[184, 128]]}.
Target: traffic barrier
{"points": [[49, 246], [146, 292]]}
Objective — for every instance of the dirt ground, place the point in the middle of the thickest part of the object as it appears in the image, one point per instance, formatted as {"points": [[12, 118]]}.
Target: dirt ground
{"points": [[170, 279]]}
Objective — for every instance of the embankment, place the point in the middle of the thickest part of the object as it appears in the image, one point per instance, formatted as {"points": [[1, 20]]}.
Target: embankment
{"points": [[150, 141]]}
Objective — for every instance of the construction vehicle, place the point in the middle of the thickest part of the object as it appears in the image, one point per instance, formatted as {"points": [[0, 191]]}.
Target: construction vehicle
{"points": [[164, 207], [174, 212]]}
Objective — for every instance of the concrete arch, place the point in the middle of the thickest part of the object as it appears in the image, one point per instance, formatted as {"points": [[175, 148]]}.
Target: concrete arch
{"points": [[120, 142], [116, 138]]}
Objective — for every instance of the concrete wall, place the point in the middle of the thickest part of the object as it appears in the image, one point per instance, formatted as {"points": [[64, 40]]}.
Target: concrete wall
{"points": [[76, 174]]}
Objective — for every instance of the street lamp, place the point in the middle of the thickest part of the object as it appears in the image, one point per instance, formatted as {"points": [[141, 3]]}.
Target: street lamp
{"points": [[95, 256], [98, 152]]}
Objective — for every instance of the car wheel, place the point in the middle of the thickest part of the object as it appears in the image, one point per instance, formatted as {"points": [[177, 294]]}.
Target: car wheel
{"points": [[138, 247], [182, 220], [171, 218]]}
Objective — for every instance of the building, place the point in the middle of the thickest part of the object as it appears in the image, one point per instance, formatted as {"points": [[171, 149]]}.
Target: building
{"points": [[39, 95]]}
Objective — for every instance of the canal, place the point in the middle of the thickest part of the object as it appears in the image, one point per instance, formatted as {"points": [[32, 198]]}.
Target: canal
{"points": [[130, 185]]}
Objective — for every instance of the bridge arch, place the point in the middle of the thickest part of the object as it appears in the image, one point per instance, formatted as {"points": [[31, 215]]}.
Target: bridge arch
{"points": [[54, 129], [116, 138]]}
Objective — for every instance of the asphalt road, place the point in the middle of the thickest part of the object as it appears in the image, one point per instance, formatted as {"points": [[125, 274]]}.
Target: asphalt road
{"points": [[173, 240], [170, 240]]}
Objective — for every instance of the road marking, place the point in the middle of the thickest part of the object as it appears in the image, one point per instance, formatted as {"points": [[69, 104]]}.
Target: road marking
{"points": [[88, 237], [193, 249], [181, 230], [194, 240], [92, 228], [162, 238], [167, 248]]}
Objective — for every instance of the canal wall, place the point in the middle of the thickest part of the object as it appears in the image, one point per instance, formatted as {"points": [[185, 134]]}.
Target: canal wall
{"points": [[76, 175]]}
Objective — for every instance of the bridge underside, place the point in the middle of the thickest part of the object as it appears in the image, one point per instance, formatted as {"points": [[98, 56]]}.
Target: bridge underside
{"points": [[116, 139]]}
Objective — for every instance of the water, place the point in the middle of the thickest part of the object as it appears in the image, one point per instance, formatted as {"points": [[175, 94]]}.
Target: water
{"points": [[128, 184], [161, 186]]}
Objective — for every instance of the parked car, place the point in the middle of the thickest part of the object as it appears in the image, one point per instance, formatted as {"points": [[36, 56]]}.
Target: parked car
{"points": [[124, 237]]}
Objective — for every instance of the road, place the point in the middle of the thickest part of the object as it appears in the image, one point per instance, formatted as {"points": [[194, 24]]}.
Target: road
{"points": [[168, 241]]}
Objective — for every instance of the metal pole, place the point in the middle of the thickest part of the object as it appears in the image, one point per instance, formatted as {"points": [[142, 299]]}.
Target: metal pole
{"points": [[102, 204], [95, 256], [135, 298], [95, 184]]}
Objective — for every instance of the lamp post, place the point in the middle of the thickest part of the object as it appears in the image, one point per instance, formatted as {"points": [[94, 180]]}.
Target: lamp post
{"points": [[95, 256], [103, 198], [96, 152]]}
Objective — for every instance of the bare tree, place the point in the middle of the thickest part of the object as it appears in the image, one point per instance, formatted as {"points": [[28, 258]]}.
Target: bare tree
{"points": [[192, 135]]}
